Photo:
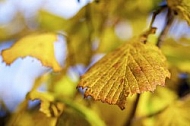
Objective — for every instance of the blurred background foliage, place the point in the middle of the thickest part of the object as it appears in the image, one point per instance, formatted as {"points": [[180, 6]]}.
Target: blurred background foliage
{"points": [[98, 28]]}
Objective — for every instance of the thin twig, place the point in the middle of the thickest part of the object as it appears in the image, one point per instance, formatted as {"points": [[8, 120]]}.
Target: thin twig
{"points": [[144, 36], [155, 13], [169, 21], [132, 114]]}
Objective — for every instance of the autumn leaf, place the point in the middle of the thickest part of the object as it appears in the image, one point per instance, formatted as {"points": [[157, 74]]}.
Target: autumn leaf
{"points": [[175, 114], [133, 68], [181, 7], [40, 46]]}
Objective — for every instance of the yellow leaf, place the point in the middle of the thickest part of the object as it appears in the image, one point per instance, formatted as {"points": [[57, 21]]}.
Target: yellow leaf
{"points": [[133, 68], [40, 46], [182, 7], [176, 114]]}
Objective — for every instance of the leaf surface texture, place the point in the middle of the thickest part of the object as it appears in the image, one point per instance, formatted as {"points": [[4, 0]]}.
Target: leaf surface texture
{"points": [[133, 68]]}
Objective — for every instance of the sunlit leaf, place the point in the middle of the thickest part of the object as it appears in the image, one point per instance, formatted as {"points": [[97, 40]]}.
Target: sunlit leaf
{"points": [[175, 114], [132, 68], [177, 54], [181, 7], [40, 46]]}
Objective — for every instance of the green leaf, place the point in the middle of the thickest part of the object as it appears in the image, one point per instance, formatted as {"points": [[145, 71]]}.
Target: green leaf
{"points": [[154, 102], [176, 114], [72, 118], [133, 68], [86, 113], [177, 53], [45, 20], [79, 47]]}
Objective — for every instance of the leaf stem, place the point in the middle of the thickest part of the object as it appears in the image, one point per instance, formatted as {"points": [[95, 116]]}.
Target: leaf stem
{"points": [[129, 121]]}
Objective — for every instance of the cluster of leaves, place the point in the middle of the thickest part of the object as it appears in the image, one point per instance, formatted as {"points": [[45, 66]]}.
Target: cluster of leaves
{"points": [[132, 66]]}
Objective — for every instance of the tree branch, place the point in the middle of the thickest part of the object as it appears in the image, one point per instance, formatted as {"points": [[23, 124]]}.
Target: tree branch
{"points": [[132, 114]]}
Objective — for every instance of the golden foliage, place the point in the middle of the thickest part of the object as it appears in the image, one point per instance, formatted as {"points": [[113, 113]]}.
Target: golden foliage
{"points": [[133, 68], [40, 46]]}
